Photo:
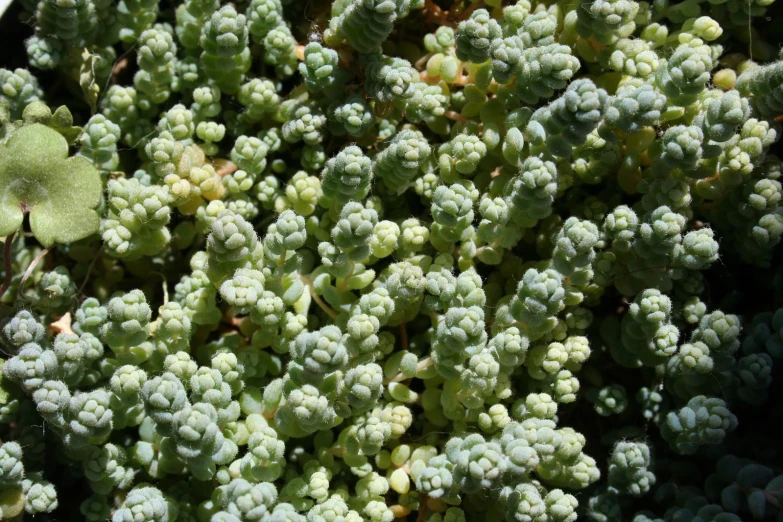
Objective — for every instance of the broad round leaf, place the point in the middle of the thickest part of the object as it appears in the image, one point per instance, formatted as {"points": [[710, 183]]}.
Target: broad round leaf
{"points": [[60, 193]]}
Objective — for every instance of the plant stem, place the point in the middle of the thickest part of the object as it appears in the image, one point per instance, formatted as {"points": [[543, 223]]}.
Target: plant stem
{"points": [[452, 115], [225, 167], [344, 282], [165, 288], [423, 365], [770, 497], [7, 263], [463, 14], [269, 414], [30, 269], [89, 270], [421, 62], [423, 509], [317, 298]]}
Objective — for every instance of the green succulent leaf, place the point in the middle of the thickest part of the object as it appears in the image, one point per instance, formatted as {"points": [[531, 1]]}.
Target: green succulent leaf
{"points": [[38, 177]]}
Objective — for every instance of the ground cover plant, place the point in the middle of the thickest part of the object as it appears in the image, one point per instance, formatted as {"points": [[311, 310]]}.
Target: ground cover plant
{"points": [[379, 260]]}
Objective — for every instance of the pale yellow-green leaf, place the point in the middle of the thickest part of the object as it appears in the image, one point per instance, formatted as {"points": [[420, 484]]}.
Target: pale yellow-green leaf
{"points": [[11, 502]]}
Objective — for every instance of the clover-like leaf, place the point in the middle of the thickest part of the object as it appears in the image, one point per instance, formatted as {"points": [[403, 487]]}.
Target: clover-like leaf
{"points": [[61, 120], [38, 177], [6, 125]]}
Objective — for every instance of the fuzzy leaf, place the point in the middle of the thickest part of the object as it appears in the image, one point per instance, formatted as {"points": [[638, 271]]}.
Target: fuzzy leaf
{"points": [[62, 122], [37, 176], [11, 502]]}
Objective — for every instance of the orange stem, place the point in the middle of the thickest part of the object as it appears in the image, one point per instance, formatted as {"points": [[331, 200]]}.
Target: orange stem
{"points": [[455, 116]]}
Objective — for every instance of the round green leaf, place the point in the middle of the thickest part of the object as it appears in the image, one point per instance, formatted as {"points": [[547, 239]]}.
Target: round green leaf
{"points": [[60, 193]]}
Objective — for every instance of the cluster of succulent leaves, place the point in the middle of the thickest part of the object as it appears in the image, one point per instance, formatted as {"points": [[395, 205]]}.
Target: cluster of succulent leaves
{"points": [[297, 264]]}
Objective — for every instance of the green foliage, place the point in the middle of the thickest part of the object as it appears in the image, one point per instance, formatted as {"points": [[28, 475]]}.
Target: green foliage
{"points": [[391, 260], [365, 24], [38, 178]]}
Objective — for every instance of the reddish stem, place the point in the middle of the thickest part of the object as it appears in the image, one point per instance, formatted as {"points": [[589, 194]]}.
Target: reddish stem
{"points": [[455, 116], [422, 509], [464, 14]]}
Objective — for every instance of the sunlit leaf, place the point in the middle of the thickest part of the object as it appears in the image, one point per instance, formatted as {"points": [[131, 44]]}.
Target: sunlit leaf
{"points": [[38, 177]]}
